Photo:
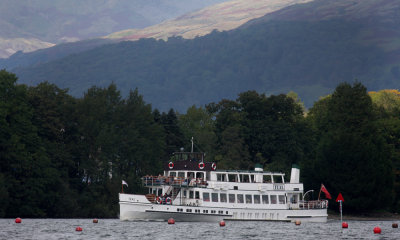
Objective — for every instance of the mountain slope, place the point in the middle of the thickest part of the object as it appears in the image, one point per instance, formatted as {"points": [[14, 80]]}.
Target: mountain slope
{"points": [[55, 20], [273, 54], [58, 21], [10, 46], [381, 18], [222, 17], [48, 54]]}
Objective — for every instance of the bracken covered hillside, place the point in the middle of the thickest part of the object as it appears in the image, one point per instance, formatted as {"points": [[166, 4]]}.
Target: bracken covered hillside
{"points": [[222, 17]]}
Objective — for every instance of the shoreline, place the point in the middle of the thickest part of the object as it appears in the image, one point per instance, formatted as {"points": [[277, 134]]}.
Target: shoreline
{"points": [[384, 216]]}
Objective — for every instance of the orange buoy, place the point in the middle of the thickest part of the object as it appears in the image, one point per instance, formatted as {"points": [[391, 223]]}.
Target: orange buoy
{"points": [[395, 225], [78, 229], [18, 220], [222, 224], [95, 220], [377, 230], [345, 225], [171, 221], [298, 222]]}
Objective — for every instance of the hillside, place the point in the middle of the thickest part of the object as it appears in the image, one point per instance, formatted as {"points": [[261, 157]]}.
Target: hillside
{"points": [[10, 46], [380, 18], [22, 59], [222, 17], [58, 21], [280, 52]]}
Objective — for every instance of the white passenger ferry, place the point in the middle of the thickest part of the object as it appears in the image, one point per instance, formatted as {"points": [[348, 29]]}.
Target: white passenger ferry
{"points": [[194, 190]]}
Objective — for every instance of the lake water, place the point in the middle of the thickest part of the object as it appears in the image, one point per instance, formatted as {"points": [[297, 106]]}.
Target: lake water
{"points": [[47, 229]]}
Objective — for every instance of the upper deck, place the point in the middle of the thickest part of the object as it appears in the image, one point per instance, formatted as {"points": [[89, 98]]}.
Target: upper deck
{"points": [[188, 169], [224, 179], [188, 161]]}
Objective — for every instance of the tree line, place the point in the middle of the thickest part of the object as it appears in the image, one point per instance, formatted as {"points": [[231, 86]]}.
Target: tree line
{"points": [[62, 156]]}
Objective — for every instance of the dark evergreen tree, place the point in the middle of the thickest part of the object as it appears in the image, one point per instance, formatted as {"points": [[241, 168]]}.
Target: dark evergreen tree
{"points": [[157, 115], [174, 138]]}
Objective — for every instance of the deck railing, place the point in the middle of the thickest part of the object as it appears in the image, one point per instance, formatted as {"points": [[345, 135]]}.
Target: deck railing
{"points": [[316, 204], [149, 181]]}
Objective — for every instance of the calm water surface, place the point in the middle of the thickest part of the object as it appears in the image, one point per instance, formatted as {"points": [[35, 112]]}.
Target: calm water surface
{"points": [[114, 229]]}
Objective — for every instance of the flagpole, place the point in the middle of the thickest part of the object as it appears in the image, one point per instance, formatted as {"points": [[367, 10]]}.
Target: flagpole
{"points": [[340, 200], [320, 189], [122, 188]]}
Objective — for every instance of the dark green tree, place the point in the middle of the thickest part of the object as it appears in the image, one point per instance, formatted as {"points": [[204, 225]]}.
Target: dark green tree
{"points": [[142, 140], [174, 137], [231, 148], [234, 153], [97, 124], [23, 161], [387, 103], [352, 157], [53, 115], [198, 123], [274, 129], [97, 148], [270, 129]]}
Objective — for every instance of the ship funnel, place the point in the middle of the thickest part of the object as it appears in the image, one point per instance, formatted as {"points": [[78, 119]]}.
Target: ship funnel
{"points": [[258, 168], [295, 174]]}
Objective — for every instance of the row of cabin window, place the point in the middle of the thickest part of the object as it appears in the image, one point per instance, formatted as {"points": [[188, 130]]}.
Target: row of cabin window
{"points": [[187, 174], [204, 211], [237, 198], [222, 177], [230, 177], [244, 198]]}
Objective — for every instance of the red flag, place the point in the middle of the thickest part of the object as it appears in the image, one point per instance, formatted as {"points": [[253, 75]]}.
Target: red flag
{"points": [[323, 188]]}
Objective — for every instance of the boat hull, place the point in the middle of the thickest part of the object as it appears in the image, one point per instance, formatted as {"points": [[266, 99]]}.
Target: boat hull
{"points": [[164, 216], [138, 208]]}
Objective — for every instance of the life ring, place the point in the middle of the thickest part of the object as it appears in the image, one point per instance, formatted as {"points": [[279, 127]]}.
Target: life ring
{"points": [[171, 165], [158, 200], [168, 200], [201, 165], [214, 166]]}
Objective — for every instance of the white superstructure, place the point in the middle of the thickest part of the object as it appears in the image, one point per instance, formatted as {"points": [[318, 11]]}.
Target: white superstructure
{"points": [[193, 190]]}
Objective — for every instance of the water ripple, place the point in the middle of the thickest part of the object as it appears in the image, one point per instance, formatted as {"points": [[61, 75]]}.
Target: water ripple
{"points": [[48, 229]]}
